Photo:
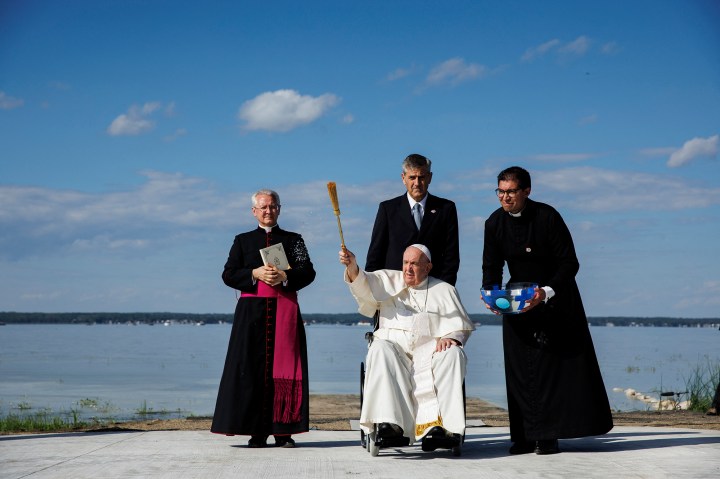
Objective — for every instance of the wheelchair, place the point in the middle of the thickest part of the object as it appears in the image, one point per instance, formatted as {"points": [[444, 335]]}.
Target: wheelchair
{"points": [[436, 438]]}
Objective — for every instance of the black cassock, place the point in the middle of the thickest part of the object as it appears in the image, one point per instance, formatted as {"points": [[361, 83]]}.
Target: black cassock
{"points": [[267, 326], [554, 386]]}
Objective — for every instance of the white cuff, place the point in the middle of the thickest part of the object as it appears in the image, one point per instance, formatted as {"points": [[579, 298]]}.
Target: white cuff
{"points": [[549, 293]]}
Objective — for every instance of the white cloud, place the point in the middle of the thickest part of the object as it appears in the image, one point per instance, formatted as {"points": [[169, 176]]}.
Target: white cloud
{"points": [[179, 133], [398, 74], [705, 295], [140, 232], [601, 190], [473, 224], [9, 102], [104, 242], [135, 121], [39, 297], [692, 149], [168, 210], [165, 205], [659, 151], [610, 48], [454, 71], [562, 157], [540, 50], [586, 226], [170, 109], [284, 110], [168, 205], [347, 119], [576, 48]]}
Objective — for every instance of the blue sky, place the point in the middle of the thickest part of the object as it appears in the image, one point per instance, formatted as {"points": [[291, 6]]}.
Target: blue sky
{"points": [[132, 134]]}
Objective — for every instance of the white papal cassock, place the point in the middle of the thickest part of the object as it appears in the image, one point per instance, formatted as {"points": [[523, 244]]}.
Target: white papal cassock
{"points": [[406, 382]]}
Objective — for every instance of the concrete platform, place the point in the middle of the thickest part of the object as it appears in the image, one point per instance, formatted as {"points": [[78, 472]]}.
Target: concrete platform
{"points": [[637, 452]]}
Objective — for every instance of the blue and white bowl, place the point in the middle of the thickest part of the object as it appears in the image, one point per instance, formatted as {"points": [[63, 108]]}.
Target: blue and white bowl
{"points": [[510, 300]]}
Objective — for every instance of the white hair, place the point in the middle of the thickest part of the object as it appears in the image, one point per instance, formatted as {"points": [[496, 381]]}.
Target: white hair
{"points": [[271, 193]]}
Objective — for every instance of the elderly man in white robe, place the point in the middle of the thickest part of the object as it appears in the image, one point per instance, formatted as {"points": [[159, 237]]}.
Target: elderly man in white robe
{"points": [[416, 362]]}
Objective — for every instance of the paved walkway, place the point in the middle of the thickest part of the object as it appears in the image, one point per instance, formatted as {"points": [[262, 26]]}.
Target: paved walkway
{"points": [[627, 452]]}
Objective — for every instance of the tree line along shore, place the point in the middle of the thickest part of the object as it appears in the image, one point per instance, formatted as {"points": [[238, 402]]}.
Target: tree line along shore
{"points": [[312, 318]]}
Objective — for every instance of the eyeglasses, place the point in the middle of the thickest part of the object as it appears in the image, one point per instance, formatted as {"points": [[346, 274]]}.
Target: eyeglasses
{"points": [[267, 208], [510, 193]]}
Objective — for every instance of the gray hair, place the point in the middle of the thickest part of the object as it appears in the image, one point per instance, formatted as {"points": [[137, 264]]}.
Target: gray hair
{"points": [[415, 162], [266, 192]]}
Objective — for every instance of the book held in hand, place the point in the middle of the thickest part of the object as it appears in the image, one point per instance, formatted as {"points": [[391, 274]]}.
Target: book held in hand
{"points": [[275, 256]]}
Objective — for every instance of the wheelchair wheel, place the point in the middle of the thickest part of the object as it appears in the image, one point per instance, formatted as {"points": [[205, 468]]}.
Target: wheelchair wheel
{"points": [[364, 440], [457, 450], [362, 382], [373, 446]]}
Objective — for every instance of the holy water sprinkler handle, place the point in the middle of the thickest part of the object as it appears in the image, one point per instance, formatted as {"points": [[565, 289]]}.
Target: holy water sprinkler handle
{"points": [[332, 191]]}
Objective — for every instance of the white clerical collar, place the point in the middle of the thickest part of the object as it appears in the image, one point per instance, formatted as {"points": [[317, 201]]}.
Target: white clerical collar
{"points": [[267, 229], [423, 284], [422, 201], [519, 213]]}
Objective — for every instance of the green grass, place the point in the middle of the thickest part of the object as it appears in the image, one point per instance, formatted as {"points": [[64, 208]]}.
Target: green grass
{"points": [[23, 417], [42, 421], [88, 403], [144, 410], [701, 385]]}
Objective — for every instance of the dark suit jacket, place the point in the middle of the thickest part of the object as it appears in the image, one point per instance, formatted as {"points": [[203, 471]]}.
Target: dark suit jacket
{"points": [[395, 230]]}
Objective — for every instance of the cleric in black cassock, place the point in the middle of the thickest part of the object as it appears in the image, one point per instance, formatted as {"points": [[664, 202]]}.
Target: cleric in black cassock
{"points": [[554, 386], [264, 386]]}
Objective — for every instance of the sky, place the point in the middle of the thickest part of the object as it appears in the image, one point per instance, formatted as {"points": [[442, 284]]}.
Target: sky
{"points": [[132, 134]]}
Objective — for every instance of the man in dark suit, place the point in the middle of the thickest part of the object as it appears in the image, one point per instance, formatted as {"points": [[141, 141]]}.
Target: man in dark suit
{"points": [[396, 225]]}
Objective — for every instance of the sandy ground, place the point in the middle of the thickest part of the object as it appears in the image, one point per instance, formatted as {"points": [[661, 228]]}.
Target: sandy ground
{"points": [[334, 412]]}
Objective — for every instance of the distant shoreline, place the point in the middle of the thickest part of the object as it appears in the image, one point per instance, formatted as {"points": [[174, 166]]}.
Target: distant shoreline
{"points": [[169, 318]]}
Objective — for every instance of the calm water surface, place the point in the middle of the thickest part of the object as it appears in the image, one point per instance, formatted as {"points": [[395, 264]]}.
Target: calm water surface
{"points": [[119, 370]]}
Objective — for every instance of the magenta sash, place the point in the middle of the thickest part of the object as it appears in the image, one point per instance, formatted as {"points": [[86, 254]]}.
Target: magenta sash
{"points": [[287, 367]]}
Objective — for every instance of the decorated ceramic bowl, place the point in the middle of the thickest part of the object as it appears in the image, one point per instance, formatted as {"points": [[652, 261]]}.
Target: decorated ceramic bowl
{"points": [[510, 300]]}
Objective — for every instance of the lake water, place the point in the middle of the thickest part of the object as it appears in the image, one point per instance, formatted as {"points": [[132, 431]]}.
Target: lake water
{"points": [[116, 371]]}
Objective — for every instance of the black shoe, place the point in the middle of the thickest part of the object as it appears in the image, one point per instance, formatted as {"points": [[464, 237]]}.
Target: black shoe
{"points": [[439, 438], [284, 441], [436, 431], [386, 429], [522, 447], [257, 441], [712, 412], [547, 446]]}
